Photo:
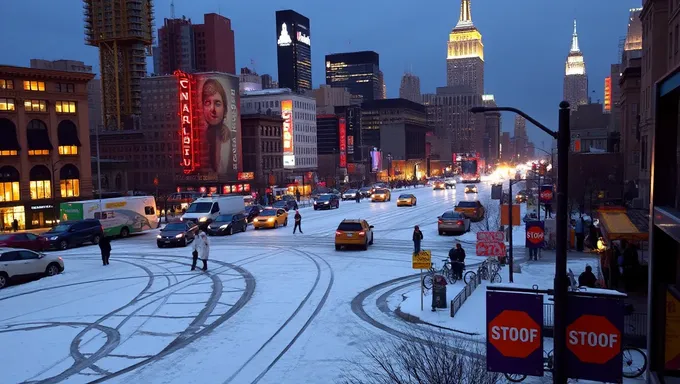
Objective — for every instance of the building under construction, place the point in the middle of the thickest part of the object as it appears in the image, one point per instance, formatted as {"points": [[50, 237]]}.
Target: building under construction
{"points": [[123, 32]]}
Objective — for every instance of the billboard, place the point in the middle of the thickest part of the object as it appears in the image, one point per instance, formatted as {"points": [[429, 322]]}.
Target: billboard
{"points": [[376, 161], [187, 128], [219, 122], [608, 94], [288, 150], [342, 137]]}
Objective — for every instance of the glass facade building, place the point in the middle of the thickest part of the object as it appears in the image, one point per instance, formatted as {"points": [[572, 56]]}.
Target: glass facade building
{"points": [[356, 71], [293, 51]]}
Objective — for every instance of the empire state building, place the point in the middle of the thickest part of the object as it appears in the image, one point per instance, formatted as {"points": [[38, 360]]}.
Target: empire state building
{"points": [[465, 56], [575, 78]]}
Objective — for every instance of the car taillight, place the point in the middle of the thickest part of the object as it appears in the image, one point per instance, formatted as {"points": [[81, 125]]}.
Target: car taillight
{"points": [[362, 233], [439, 221], [60, 258], [338, 233], [101, 227], [460, 222]]}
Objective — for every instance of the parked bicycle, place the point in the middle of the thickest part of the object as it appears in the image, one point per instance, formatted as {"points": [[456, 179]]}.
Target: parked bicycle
{"points": [[446, 271], [489, 270]]}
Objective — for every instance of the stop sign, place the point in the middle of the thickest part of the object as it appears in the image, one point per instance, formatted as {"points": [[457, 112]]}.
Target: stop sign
{"points": [[546, 195], [514, 334], [535, 235], [593, 339]]}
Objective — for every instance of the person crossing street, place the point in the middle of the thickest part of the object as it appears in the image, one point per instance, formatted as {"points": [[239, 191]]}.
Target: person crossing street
{"points": [[298, 222]]}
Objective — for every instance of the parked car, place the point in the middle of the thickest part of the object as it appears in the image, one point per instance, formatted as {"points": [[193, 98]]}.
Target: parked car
{"points": [[177, 234], [326, 202], [286, 204], [349, 194], [470, 188], [271, 218], [252, 212], [22, 240], [17, 262], [228, 225], [407, 199], [473, 210], [69, 234], [353, 232], [452, 222], [381, 195]]}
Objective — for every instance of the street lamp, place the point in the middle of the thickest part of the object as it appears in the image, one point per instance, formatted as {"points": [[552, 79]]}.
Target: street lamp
{"points": [[54, 194], [561, 290]]}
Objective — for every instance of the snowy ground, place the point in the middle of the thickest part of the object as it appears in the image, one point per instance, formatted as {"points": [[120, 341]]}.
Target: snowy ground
{"points": [[273, 308]]}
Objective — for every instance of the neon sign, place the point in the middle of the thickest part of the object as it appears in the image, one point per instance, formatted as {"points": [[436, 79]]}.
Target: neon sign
{"points": [[186, 122], [284, 39], [342, 135], [287, 115], [301, 37]]}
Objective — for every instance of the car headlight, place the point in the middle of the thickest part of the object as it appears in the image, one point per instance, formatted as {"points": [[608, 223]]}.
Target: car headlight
{"points": [[54, 237], [203, 219], [325, 202], [270, 219], [255, 220], [224, 226], [179, 235], [158, 236]]}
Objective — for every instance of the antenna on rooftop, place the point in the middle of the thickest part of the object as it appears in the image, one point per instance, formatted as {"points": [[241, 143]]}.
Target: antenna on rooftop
{"points": [[172, 9]]}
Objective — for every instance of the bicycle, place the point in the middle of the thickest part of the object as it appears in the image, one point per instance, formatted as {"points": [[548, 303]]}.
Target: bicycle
{"points": [[490, 271], [445, 271], [630, 355]]}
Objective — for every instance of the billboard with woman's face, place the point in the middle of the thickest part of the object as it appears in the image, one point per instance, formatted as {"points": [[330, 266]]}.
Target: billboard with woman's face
{"points": [[219, 120]]}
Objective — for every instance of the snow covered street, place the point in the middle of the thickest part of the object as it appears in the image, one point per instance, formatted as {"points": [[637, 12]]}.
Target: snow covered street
{"points": [[273, 307]]}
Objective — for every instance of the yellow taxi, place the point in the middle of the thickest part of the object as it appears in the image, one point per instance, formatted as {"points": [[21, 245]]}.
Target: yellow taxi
{"points": [[439, 184], [406, 200], [271, 218], [473, 210], [381, 194], [354, 232], [470, 188]]}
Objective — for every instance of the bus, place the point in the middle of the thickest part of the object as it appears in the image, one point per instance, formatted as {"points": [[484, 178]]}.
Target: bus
{"points": [[119, 216], [469, 170]]}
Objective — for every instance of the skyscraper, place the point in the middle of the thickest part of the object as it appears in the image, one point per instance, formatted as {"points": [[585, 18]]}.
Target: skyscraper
{"points": [[383, 86], [575, 78], [520, 138], [410, 88], [465, 57], [294, 52], [491, 139], [356, 71], [195, 47], [123, 32]]}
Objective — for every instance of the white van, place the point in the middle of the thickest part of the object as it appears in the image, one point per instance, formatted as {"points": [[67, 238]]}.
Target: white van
{"points": [[205, 209], [119, 216]]}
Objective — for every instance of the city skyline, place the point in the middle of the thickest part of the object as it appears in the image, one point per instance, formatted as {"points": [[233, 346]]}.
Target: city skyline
{"points": [[508, 75]]}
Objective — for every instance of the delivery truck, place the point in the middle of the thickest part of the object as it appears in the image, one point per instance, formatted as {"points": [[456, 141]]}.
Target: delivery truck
{"points": [[204, 210], [119, 216]]}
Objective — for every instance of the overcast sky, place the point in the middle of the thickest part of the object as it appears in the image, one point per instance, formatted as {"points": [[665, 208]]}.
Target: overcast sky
{"points": [[525, 41]]}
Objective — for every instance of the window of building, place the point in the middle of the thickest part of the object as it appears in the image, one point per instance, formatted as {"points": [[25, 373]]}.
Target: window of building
{"points": [[66, 87], [38, 152], [8, 152], [9, 184], [35, 105], [40, 183], [68, 150], [70, 188], [34, 86], [6, 104], [65, 106], [6, 84]]}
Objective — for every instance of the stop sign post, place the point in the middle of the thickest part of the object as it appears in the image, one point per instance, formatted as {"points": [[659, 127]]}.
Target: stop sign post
{"points": [[514, 333], [595, 338], [535, 234], [546, 193]]}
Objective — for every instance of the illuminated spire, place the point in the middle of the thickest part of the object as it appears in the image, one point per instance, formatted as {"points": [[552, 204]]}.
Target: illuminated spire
{"points": [[465, 19], [574, 40]]}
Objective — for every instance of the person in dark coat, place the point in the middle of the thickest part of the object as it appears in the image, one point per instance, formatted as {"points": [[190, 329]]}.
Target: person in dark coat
{"points": [[587, 278], [457, 257], [357, 197], [105, 247], [579, 230], [298, 222], [417, 238]]}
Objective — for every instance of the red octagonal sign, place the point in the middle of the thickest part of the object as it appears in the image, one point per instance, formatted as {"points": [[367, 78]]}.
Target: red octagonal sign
{"points": [[546, 195], [535, 235], [515, 334], [593, 339]]}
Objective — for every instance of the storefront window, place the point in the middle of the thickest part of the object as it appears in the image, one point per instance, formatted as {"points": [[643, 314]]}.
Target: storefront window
{"points": [[41, 189], [70, 188], [9, 191], [9, 153], [9, 214], [68, 150], [38, 152]]}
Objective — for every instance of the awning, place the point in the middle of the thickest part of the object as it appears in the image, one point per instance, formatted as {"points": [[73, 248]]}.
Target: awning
{"points": [[617, 223], [9, 140], [67, 133], [38, 139]]}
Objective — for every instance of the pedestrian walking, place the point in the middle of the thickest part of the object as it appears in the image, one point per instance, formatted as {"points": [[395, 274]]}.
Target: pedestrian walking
{"points": [[357, 197], [579, 231], [417, 238], [105, 248], [201, 249], [15, 225], [298, 222], [297, 195]]}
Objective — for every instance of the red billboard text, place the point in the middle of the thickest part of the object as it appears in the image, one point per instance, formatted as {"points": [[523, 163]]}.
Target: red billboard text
{"points": [[186, 122], [342, 136]]}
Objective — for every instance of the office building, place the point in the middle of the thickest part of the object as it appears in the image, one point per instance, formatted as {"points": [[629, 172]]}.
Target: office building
{"points": [[575, 78], [383, 86], [293, 51], [45, 147], [506, 147], [358, 72], [299, 125], [122, 30], [395, 126], [191, 47], [249, 81], [410, 88], [263, 149], [465, 53], [327, 98], [268, 82], [491, 140]]}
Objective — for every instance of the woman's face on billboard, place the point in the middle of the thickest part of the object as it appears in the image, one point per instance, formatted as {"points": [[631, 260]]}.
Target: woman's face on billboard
{"points": [[213, 109]]}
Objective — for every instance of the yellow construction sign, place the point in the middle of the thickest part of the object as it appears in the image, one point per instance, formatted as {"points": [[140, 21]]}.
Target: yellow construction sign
{"points": [[422, 260]]}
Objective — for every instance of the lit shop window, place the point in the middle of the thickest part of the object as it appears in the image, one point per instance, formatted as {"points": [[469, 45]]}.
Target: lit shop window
{"points": [[35, 105], [6, 104], [11, 152], [68, 150], [6, 84], [65, 106], [70, 188], [9, 191], [38, 152], [41, 189], [34, 86]]}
